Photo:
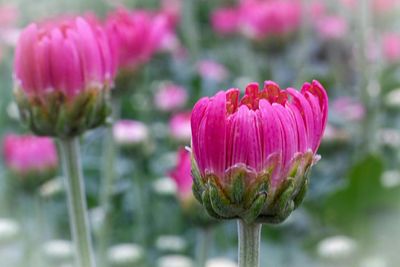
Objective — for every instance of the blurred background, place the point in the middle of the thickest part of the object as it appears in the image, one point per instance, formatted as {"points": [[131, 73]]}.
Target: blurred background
{"points": [[351, 215]]}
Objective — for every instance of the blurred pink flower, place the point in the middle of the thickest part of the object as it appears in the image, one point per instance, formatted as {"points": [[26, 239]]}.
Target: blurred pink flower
{"points": [[79, 54], [8, 16], [377, 6], [137, 35], [130, 132], [225, 20], [172, 9], [212, 70], [261, 19], [182, 175], [250, 133], [348, 108], [170, 97], [391, 47], [27, 154], [332, 27], [179, 127]]}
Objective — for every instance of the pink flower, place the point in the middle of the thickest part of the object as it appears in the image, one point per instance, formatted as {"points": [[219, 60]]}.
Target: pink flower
{"points": [[26, 154], [136, 35], [212, 70], [179, 127], [248, 151], [172, 9], [63, 72], [261, 19], [182, 175], [170, 97], [348, 108], [332, 27], [228, 133], [69, 56], [391, 47], [225, 20], [130, 132], [8, 16], [254, 153]]}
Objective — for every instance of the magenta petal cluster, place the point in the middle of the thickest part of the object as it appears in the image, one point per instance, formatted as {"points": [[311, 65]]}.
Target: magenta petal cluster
{"points": [[67, 56], [259, 19], [27, 154], [182, 175], [270, 135], [63, 72], [137, 35]]}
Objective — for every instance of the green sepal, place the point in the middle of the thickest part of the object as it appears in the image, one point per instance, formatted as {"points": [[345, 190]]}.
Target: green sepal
{"points": [[221, 204], [255, 209], [237, 186], [54, 114], [206, 201], [198, 186]]}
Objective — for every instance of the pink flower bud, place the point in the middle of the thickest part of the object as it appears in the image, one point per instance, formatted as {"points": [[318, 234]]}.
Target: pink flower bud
{"points": [[182, 175], [225, 20], [170, 97], [212, 70], [137, 35], [391, 47], [29, 155], [63, 72], [261, 19], [256, 148], [179, 127], [349, 109], [332, 27]]}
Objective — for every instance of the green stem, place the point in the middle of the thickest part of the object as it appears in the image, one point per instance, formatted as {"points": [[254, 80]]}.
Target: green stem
{"points": [[106, 193], [203, 246], [249, 244], [77, 206]]}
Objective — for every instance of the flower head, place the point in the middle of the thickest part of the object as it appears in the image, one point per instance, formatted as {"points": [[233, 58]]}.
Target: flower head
{"points": [[63, 70], [247, 153], [136, 35], [27, 155]]}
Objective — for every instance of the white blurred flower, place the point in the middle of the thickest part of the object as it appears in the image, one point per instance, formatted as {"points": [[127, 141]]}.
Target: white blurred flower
{"points": [[13, 111], [164, 186], [392, 99], [175, 261], [51, 187], [221, 262], [390, 178], [9, 230], [130, 132], [336, 247], [389, 137], [374, 262], [58, 250], [171, 243], [123, 254], [97, 216]]}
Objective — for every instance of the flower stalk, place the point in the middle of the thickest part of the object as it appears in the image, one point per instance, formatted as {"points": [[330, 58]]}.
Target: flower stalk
{"points": [[77, 206], [249, 244], [203, 245]]}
